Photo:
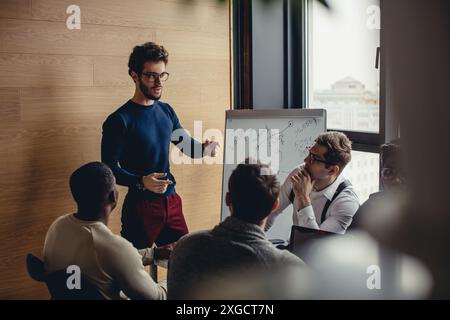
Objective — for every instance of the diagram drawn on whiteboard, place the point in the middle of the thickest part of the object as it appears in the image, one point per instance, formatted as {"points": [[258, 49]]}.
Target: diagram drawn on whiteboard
{"points": [[285, 135]]}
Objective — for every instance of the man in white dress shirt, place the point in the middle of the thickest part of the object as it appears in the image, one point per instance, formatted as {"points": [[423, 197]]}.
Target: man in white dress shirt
{"points": [[322, 198]]}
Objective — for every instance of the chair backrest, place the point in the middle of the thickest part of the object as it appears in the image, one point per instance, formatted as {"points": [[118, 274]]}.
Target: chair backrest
{"points": [[57, 282], [35, 268]]}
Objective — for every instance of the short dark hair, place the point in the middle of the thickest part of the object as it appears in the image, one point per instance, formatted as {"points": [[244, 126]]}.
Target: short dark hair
{"points": [[390, 149], [91, 185], [148, 52], [339, 148], [252, 193]]}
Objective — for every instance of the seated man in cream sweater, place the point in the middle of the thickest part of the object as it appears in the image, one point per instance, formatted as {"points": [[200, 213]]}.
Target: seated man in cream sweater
{"points": [[108, 261]]}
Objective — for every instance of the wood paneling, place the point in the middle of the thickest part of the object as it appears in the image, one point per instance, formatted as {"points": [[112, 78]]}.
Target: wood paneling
{"points": [[9, 105], [47, 37], [20, 9], [56, 88], [204, 15], [32, 70], [72, 104], [194, 45]]}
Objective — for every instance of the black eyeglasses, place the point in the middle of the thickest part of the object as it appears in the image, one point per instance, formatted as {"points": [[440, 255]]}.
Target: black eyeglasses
{"points": [[152, 76], [314, 158]]}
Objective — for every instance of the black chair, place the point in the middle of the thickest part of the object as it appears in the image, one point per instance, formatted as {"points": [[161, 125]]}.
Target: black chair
{"points": [[57, 282]]}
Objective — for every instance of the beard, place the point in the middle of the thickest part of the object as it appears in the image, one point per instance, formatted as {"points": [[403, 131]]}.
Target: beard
{"points": [[146, 92]]}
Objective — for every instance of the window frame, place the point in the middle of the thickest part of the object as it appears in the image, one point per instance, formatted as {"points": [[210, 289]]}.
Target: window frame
{"points": [[362, 141], [297, 27]]}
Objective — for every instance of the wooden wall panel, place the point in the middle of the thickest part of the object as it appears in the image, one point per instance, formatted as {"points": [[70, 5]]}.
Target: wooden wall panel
{"points": [[20, 9], [71, 105], [112, 72], [194, 45], [9, 105], [200, 15], [47, 37], [33, 70], [56, 88]]}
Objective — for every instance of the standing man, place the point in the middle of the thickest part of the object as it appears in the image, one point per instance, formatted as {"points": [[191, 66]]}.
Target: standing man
{"points": [[322, 198], [135, 144]]}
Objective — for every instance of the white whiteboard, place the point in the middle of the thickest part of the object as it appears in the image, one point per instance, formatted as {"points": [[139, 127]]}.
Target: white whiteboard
{"points": [[297, 130]]}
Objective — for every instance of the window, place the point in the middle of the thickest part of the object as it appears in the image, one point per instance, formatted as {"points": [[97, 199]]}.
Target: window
{"points": [[329, 61], [344, 78], [342, 49], [362, 172]]}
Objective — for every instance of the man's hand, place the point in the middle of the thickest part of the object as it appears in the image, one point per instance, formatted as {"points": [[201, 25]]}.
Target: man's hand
{"points": [[163, 252], [209, 148], [153, 183], [302, 186]]}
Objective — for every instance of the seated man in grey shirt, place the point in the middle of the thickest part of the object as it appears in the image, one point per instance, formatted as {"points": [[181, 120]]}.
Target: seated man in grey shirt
{"points": [[235, 255], [83, 239]]}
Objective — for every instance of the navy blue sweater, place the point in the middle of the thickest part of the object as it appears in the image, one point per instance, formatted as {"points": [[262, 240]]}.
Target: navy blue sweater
{"points": [[136, 142]]}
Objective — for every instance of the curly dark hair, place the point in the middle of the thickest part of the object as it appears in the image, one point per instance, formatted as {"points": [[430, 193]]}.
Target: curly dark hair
{"points": [[148, 52]]}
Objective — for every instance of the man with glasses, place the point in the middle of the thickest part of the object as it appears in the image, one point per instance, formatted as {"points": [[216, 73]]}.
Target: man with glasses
{"points": [[135, 144], [322, 198], [392, 179]]}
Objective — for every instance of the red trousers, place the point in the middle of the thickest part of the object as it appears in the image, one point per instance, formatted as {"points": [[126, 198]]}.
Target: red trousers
{"points": [[159, 221]]}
